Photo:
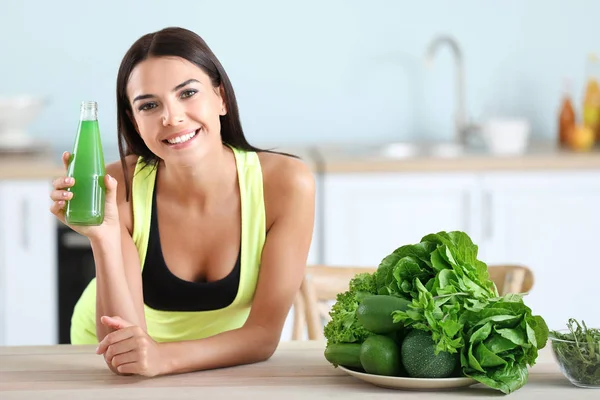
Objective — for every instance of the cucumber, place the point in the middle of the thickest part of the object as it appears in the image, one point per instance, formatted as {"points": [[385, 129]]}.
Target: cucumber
{"points": [[375, 313], [344, 354]]}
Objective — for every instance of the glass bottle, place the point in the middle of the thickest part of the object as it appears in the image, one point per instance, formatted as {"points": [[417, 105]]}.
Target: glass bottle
{"points": [[566, 117], [86, 165], [591, 99]]}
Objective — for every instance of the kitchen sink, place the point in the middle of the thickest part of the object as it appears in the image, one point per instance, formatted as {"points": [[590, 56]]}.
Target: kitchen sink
{"points": [[416, 149]]}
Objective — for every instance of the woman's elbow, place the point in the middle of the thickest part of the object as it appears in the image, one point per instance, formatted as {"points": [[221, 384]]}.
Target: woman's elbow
{"points": [[268, 350], [268, 346]]}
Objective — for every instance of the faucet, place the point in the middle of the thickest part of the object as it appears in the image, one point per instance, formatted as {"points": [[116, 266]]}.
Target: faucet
{"points": [[462, 126]]}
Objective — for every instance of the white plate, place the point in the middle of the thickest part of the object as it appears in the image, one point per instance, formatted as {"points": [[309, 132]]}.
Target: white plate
{"points": [[394, 382]]}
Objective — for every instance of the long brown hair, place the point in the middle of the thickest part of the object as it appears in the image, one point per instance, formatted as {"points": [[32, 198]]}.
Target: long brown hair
{"points": [[177, 42]]}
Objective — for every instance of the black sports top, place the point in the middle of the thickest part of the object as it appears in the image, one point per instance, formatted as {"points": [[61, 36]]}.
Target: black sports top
{"points": [[166, 292]]}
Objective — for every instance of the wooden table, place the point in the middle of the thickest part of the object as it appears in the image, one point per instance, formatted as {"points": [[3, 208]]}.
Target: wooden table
{"points": [[298, 370]]}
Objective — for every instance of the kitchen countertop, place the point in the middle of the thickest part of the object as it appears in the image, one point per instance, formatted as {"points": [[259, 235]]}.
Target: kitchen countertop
{"points": [[354, 159], [297, 370], [540, 155], [30, 167]]}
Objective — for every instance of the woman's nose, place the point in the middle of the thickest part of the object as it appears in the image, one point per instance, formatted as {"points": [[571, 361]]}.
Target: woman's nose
{"points": [[173, 115]]}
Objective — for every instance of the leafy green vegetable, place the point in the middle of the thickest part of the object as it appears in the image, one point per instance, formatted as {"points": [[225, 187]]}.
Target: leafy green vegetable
{"points": [[344, 326], [454, 299], [458, 282], [578, 352], [396, 272], [501, 340]]}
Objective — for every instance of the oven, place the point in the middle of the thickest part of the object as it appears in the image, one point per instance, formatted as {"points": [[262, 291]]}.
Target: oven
{"points": [[76, 269]]}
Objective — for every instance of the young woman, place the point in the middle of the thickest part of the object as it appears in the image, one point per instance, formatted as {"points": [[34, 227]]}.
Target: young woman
{"points": [[205, 237]]}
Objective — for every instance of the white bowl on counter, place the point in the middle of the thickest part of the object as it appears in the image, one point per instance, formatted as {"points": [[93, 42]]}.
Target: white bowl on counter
{"points": [[506, 136], [16, 114]]}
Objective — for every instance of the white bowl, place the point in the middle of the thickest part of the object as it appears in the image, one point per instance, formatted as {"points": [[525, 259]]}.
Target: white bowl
{"points": [[506, 136], [16, 113]]}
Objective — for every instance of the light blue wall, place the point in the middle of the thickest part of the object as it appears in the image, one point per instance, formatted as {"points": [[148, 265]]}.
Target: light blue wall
{"points": [[311, 70]]}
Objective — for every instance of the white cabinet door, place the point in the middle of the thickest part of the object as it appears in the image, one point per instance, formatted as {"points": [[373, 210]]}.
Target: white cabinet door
{"points": [[367, 216], [549, 221], [28, 267]]}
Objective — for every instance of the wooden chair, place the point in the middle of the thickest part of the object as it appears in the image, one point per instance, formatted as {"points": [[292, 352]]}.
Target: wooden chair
{"points": [[511, 278], [319, 289], [322, 283]]}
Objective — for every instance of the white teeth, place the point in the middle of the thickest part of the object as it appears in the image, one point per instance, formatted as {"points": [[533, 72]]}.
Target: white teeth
{"points": [[182, 138]]}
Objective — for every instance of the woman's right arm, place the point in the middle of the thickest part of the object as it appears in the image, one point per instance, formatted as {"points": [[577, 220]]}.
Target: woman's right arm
{"points": [[118, 281], [118, 272]]}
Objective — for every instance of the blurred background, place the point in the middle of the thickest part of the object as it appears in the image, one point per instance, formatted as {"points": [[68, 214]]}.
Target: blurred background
{"points": [[416, 117]]}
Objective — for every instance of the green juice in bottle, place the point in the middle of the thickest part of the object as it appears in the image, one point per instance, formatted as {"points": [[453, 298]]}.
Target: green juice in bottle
{"points": [[86, 165]]}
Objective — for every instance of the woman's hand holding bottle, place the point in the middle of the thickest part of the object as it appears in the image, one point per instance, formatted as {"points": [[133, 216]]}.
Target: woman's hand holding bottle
{"points": [[61, 195]]}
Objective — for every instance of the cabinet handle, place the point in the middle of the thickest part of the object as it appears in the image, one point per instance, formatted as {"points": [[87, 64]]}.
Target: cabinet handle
{"points": [[467, 212], [488, 230], [25, 221]]}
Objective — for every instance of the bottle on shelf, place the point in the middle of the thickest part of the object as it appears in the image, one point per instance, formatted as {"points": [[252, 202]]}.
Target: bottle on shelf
{"points": [[591, 97], [566, 117]]}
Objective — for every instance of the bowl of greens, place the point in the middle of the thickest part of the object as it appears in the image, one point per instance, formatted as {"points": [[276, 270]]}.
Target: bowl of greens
{"points": [[577, 351]]}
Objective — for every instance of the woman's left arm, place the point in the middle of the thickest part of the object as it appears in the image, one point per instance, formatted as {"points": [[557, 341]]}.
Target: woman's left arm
{"points": [[291, 198]]}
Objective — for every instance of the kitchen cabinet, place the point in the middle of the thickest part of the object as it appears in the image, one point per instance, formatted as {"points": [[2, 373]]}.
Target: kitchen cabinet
{"points": [[367, 216], [548, 220], [28, 271]]}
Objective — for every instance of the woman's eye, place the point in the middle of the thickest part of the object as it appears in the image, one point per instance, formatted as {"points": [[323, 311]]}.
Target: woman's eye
{"points": [[188, 93], [147, 106]]}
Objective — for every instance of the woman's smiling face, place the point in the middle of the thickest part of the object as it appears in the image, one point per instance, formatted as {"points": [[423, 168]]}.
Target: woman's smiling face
{"points": [[175, 108]]}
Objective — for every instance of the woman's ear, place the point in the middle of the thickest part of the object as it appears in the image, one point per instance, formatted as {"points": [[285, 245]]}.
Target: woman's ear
{"points": [[132, 121], [223, 110]]}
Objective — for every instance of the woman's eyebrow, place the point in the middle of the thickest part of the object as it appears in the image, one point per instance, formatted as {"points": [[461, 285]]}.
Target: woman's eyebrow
{"points": [[148, 96]]}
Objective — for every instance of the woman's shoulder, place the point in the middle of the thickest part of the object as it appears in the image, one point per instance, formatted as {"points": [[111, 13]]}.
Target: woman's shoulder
{"points": [[286, 180], [284, 171]]}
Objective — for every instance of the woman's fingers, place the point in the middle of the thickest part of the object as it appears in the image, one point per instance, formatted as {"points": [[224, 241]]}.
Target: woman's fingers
{"points": [[124, 358], [60, 195], [63, 182], [66, 157]]}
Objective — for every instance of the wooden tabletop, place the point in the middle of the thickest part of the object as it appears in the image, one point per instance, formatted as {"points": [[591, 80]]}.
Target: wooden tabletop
{"points": [[297, 370]]}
